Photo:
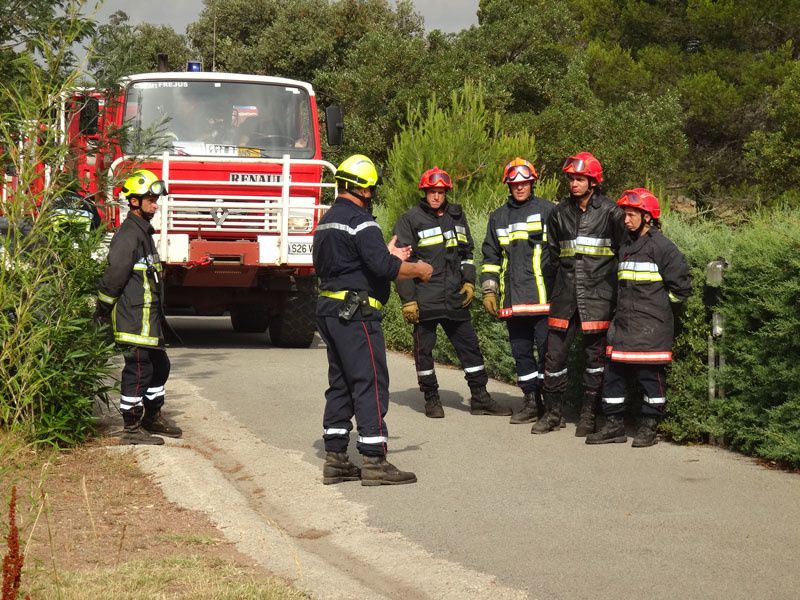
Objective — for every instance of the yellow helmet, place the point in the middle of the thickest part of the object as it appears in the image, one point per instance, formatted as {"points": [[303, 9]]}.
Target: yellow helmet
{"points": [[143, 183], [359, 171]]}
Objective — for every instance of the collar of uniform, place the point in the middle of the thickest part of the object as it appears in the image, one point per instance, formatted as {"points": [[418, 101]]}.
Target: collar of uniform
{"points": [[514, 204], [596, 200], [635, 243], [423, 204], [350, 204], [142, 223]]}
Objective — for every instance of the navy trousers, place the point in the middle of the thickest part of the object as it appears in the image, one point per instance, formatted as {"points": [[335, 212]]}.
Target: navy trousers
{"points": [[555, 367], [144, 376], [651, 378], [465, 342], [528, 338], [358, 385]]}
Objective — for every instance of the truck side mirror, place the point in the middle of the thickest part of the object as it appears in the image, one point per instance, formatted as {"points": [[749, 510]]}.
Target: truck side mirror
{"points": [[334, 125]]}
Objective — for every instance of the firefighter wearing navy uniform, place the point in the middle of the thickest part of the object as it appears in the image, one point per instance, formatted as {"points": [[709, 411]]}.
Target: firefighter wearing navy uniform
{"points": [[583, 236], [516, 277], [438, 233], [355, 268], [653, 280], [129, 295]]}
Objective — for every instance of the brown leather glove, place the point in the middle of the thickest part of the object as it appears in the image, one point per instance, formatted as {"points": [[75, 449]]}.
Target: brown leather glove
{"points": [[468, 291], [490, 303], [411, 312]]}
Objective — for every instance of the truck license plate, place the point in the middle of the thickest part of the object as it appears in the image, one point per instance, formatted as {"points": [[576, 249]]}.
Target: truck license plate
{"points": [[300, 247]]}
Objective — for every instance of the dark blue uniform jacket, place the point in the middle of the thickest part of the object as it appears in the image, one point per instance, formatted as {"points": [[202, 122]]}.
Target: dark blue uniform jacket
{"points": [[350, 254]]}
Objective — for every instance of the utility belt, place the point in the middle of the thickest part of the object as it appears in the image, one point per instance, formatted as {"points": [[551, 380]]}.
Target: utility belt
{"points": [[352, 301]]}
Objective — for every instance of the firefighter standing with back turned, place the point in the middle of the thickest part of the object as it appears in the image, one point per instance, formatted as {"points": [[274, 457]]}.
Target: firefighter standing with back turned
{"points": [[654, 280], [355, 268], [129, 295], [517, 269], [438, 233], [583, 235]]}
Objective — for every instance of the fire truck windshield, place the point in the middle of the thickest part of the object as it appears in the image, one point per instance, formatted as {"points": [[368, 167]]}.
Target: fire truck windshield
{"points": [[214, 118]]}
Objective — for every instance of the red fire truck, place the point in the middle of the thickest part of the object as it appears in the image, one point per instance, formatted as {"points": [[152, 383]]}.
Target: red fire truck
{"points": [[241, 157]]}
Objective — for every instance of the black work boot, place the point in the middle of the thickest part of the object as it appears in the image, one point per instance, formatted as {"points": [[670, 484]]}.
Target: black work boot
{"points": [[376, 470], [612, 432], [646, 434], [133, 433], [551, 420], [586, 421], [481, 403], [531, 409], [154, 422], [338, 468], [433, 405]]}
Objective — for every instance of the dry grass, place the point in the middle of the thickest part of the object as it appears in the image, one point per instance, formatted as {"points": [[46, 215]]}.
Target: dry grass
{"points": [[93, 525], [181, 578]]}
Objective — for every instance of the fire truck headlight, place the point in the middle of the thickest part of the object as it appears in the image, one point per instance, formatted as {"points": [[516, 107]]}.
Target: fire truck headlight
{"points": [[299, 224]]}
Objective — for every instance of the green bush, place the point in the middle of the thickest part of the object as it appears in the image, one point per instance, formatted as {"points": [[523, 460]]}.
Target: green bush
{"points": [[762, 338], [53, 361]]}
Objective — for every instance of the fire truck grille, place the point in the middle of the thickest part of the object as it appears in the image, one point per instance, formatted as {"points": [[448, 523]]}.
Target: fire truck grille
{"points": [[237, 216]]}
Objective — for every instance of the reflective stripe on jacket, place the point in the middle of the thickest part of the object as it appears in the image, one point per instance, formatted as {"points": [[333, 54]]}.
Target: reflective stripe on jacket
{"points": [[131, 285], [350, 254], [584, 245], [652, 275], [446, 243], [515, 256]]}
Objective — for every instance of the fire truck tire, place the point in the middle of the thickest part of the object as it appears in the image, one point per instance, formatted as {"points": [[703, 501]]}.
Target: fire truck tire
{"points": [[294, 327], [249, 319]]}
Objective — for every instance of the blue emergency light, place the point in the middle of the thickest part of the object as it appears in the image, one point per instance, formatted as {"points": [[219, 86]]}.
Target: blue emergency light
{"points": [[194, 66]]}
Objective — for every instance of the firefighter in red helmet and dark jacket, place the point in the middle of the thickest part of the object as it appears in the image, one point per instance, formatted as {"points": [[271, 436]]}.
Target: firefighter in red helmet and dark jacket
{"points": [[583, 234], [438, 233], [653, 279], [516, 279]]}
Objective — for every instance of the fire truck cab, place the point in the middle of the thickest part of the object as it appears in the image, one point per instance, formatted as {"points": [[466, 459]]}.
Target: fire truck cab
{"points": [[241, 158]]}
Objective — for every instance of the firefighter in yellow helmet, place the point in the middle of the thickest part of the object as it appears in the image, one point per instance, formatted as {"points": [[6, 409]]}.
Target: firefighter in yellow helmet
{"points": [[355, 268], [129, 295]]}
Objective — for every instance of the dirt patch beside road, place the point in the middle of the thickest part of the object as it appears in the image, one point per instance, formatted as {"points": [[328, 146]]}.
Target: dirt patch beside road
{"points": [[94, 509]]}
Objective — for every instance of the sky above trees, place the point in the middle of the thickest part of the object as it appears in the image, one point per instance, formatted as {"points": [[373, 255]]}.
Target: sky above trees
{"points": [[447, 15]]}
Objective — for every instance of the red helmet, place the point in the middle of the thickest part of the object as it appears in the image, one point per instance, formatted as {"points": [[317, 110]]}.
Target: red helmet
{"points": [[641, 198], [519, 170], [435, 178], [584, 163]]}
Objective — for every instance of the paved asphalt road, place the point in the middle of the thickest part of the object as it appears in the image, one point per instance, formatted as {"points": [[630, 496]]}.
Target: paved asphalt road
{"points": [[546, 515]]}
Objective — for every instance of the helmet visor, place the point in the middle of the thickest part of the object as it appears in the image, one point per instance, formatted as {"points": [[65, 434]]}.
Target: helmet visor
{"points": [[574, 165], [631, 199], [157, 188], [440, 179], [520, 173]]}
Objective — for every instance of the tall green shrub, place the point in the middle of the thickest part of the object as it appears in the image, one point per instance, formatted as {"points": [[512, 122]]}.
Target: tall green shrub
{"points": [[464, 139], [53, 361], [690, 415], [761, 414]]}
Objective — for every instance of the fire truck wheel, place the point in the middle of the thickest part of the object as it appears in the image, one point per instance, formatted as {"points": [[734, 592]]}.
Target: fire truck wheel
{"points": [[249, 318], [295, 325]]}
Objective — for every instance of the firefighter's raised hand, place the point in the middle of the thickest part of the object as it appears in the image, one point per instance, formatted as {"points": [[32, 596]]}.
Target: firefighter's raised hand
{"points": [[411, 312], [490, 303], [468, 291], [403, 253]]}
